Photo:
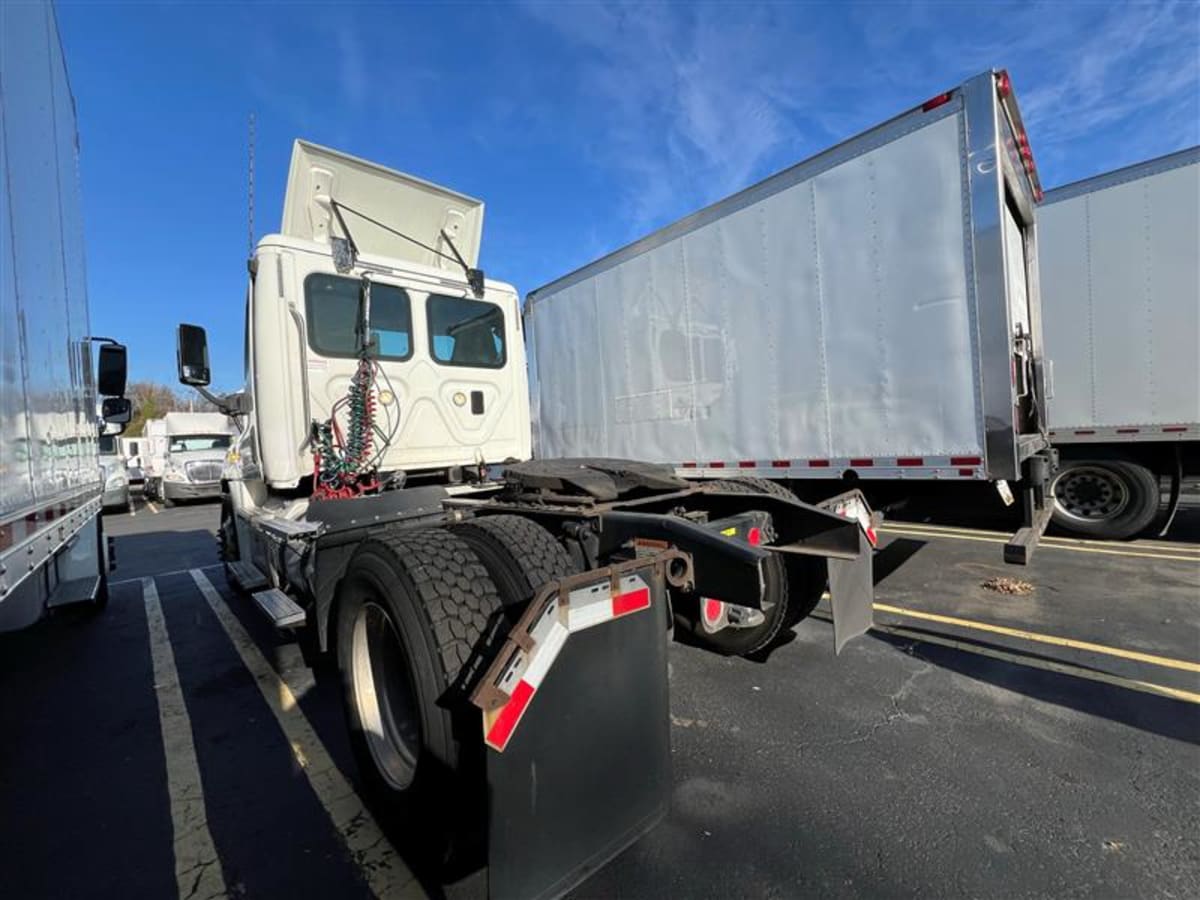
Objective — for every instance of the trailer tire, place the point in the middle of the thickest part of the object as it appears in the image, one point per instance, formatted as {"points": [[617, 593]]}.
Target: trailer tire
{"points": [[414, 611], [776, 593], [519, 554], [754, 485], [1105, 498]]}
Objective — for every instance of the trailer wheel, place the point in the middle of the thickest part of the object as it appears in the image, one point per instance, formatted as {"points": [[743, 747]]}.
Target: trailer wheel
{"points": [[412, 611], [1111, 499], [754, 485], [519, 554], [778, 612]]}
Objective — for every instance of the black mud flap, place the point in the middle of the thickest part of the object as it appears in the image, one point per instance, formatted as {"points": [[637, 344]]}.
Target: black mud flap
{"points": [[852, 593], [586, 768]]}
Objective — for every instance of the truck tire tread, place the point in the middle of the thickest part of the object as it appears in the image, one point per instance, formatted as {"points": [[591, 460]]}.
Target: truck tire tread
{"points": [[518, 553]]}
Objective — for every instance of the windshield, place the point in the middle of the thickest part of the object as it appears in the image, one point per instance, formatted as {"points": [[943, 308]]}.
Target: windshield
{"points": [[185, 443], [108, 445]]}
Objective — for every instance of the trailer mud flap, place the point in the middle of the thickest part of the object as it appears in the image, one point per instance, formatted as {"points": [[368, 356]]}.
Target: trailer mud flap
{"points": [[852, 593], [581, 766]]}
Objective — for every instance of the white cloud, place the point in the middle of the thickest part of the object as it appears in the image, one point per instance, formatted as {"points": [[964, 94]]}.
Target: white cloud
{"points": [[684, 98]]}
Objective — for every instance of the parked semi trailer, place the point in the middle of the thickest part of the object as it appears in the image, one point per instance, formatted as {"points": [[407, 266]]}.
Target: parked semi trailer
{"points": [[868, 315], [1121, 285], [499, 624], [52, 546]]}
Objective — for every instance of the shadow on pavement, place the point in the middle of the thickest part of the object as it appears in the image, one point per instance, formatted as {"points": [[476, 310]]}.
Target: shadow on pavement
{"points": [[155, 552], [1160, 715]]}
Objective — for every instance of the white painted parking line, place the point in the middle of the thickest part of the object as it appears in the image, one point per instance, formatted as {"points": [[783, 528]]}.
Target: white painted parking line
{"points": [[382, 869], [197, 866], [142, 578]]}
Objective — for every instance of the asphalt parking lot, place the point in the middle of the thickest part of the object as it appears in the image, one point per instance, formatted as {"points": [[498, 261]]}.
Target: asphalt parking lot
{"points": [[975, 743]]}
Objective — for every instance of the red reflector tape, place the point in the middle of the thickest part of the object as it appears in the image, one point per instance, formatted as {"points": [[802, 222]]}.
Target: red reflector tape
{"points": [[747, 464], [716, 465], [966, 461], [689, 465], [909, 461], [1084, 431], [506, 722], [818, 463], [1174, 428], [632, 601], [863, 461], [1128, 430], [966, 473], [781, 463]]}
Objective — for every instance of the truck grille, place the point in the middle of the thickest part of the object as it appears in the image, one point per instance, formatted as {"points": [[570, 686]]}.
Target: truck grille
{"points": [[199, 472]]}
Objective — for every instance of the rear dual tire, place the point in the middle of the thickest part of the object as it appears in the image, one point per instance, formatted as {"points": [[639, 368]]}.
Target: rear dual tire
{"points": [[414, 614]]}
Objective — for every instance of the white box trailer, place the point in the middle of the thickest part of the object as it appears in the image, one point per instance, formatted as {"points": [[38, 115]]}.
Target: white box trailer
{"points": [[868, 314], [1121, 289], [52, 546]]}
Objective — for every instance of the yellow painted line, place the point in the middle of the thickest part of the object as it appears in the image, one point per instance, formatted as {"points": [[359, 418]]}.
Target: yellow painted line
{"points": [[1170, 546], [1165, 546], [921, 532], [197, 865], [384, 872], [1146, 687], [1136, 655]]}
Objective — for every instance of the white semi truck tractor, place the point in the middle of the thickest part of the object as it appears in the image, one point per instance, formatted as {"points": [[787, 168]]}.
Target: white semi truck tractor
{"points": [[1121, 300], [53, 477], [499, 623]]}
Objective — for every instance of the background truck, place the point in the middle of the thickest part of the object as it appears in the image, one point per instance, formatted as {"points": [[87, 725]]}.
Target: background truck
{"points": [[194, 456], [1121, 284], [499, 624], [153, 454], [52, 546], [869, 315], [114, 473]]}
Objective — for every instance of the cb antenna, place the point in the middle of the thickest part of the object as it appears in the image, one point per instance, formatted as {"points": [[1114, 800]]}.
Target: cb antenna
{"points": [[250, 192]]}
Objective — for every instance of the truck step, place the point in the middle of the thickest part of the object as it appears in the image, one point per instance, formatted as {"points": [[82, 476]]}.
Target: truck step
{"points": [[247, 575], [281, 609], [78, 590]]}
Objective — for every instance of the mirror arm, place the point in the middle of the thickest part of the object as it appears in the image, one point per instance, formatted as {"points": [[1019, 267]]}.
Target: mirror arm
{"points": [[223, 404]]}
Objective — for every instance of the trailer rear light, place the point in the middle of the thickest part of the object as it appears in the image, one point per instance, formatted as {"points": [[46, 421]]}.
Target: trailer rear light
{"points": [[1003, 85], [966, 460], [935, 102], [754, 536], [966, 473]]}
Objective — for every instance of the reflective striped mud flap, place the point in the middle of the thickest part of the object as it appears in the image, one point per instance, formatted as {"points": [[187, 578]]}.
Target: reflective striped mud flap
{"points": [[576, 722]]}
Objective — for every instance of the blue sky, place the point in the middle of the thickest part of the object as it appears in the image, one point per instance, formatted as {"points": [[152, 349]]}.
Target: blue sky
{"points": [[582, 126]]}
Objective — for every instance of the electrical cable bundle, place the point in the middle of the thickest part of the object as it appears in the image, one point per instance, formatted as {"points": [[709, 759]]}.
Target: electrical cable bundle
{"points": [[344, 465]]}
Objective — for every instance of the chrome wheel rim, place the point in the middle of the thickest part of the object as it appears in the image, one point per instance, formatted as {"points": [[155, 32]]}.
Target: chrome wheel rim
{"points": [[387, 709], [1090, 493]]}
